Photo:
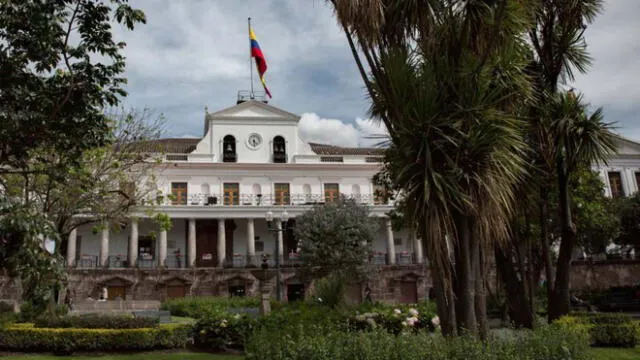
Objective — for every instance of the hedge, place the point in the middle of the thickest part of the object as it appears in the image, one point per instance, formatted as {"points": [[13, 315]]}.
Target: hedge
{"points": [[26, 338], [98, 321], [605, 329]]}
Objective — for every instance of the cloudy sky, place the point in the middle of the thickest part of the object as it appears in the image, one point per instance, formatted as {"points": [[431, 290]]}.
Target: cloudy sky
{"points": [[193, 54]]}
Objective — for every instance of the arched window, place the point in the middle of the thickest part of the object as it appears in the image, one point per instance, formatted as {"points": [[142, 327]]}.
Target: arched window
{"points": [[306, 191], [229, 149], [279, 150]]}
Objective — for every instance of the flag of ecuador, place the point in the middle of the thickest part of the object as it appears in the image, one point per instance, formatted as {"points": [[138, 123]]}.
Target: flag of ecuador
{"points": [[261, 63]]}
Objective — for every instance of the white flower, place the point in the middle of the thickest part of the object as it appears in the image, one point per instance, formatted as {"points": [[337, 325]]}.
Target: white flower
{"points": [[371, 323], [320, 299], [405, 324], [397, 311], [412, 321], [435, 321], [223, 323], [413, 312]]}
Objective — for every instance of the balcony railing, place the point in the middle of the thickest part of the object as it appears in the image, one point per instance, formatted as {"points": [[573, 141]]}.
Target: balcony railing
{"points": [[402, 258], [201, 199], [118, 261], [174, 262], [87, 262]]}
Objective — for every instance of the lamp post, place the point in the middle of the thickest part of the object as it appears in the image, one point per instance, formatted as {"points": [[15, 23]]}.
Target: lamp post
{"points": [[284, 218]]}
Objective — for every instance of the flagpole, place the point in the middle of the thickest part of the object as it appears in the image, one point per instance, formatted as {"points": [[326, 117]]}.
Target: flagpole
{"points": [[250, 60]]}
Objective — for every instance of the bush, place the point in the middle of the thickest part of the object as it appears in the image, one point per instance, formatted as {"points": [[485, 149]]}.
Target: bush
{"points": [[330, 291], [198, 307], [615, 330], [26, 338], [5, 308], [223, 331], [97, 321], [547, 343], [30, 312]]}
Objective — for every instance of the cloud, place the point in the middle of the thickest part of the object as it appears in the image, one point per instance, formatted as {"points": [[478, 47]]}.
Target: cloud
{"points": [[194, 53], [362, 132]]}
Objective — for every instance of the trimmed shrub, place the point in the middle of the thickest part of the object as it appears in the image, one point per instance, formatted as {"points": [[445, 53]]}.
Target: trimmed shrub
{"points": [[547, 343], [197, 307], [26, 338], [605, 329], [30, 312], [223, 331], [97, 321]]}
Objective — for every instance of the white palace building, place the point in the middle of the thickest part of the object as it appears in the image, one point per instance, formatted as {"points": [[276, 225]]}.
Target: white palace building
{"points": [[219, 191]]}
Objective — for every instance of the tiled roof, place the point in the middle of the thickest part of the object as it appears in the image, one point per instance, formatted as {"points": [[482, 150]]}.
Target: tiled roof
{"points": [[169, 146], [324, 149]]}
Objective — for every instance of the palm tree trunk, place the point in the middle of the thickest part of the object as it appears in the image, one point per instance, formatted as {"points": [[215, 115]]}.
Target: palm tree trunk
{"points": [[544, 239], [465, 278], [445, 304], [559, 301], [480, 292], [520, 311]]}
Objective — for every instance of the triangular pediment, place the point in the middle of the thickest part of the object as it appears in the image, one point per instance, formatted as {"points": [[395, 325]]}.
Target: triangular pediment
{"points": [[627, 146], [253, 109]]}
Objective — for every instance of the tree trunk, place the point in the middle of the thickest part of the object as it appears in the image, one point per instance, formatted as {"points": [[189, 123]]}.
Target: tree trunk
{"points": [[445, 304], [544, 239], [519, 305], [465, 289], [559, 301], [480, 292]]}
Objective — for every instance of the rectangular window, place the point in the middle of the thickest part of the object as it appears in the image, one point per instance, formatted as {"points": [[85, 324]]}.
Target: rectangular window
{"points": [[146, 248], [259, 244], [231, 193], [337, 159], [638, 180], [379, 195], [397, 241], [281, 193], [373, 159], [78, 247], [331, 193], [179, 192], [615, 182]]}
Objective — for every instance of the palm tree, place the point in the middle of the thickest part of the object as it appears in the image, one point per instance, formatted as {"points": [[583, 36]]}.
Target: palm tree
{"points": [[447, 78], [557, 38]]}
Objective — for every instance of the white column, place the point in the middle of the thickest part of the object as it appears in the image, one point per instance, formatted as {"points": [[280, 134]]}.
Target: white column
{"points": [[391, 248], [417, 248], [162, 253], [104, 247], [191, 244], [222, 243], [280, 236], [251, 243], [133, 244], [71, 248]]}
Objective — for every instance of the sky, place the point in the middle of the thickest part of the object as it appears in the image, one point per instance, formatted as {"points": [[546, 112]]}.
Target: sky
{"points": [[195, 53]]}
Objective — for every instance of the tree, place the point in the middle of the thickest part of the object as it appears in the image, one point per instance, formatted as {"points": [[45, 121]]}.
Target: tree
{"points": [[447, 79], [335, 240], [60, 67], [629, 214], [568, 137], [102, 186]]}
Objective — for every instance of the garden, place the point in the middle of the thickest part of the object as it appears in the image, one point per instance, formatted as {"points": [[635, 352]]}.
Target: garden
{"points": [[227, 328]]}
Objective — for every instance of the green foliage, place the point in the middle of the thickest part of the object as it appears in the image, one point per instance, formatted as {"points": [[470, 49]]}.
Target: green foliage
{"points": [[336, 238], [30, 311], [330, 291], [396, 320], [605, 330], [198, 307], [163, 220], [629, 213], [97, 321], [26, 338], [61, 68], [547, 343], [223, 331]]}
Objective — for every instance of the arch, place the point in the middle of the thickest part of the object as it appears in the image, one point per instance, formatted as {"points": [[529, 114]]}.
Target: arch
{"points": [[229, 149], [279, 150]]}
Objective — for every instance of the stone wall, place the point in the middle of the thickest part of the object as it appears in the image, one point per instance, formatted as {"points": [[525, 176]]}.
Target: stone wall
{"points": [[587, 275]]}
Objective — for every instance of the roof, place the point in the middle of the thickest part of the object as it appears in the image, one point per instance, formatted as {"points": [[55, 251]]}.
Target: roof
{"points": [[324, 149], [169, 146]]}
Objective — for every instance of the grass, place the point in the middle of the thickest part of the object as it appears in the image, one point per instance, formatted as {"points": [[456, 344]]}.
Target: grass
{"points": [[182, 320], [141, 356], [615, 353]]}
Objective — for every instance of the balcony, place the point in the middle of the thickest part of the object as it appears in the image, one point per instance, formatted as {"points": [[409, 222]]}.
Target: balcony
{"points": [[87, 262], [402, 258], [201, 199]]}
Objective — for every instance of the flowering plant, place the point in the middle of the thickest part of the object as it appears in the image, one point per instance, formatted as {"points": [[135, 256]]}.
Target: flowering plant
{"points": [[223, 330]]}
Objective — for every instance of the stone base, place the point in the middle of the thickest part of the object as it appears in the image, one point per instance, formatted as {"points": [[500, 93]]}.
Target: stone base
{"points": [[389, 284]]}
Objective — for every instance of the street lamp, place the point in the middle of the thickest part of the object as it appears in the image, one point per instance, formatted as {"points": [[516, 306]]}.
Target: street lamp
{"points": [[284, 218]]}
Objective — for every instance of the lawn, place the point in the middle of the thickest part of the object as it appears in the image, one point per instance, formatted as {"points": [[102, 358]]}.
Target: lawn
{"points": [[615, 354], [141, 356]]}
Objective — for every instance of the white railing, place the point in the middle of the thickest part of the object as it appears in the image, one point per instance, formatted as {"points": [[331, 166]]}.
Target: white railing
{"points": [[201, 199]]}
